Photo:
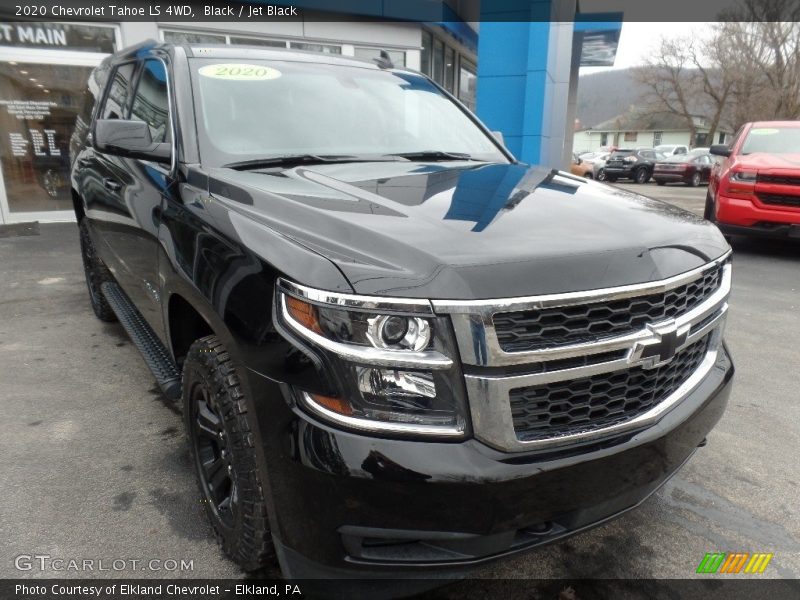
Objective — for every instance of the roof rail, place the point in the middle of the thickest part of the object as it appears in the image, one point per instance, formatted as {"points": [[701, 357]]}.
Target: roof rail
{"points": [[384, 62]]}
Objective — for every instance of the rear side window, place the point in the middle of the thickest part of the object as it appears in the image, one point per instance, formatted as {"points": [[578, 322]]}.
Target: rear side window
{"points": [[118, 93], [151, 102]]}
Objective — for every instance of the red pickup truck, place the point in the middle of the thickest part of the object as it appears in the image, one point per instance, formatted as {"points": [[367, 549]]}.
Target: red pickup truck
{"points": [[755, 190]]}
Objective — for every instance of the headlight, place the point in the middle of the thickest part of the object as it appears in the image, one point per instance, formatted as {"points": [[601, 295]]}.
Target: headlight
{"points": [[390, 361], [744, 176]]}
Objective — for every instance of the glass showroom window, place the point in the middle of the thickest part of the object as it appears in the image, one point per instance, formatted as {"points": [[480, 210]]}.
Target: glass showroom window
{"points": [[467, 83], [39, 106], [425, 53], [43, 87], [311, 47], [247, 41], [191, 37]]}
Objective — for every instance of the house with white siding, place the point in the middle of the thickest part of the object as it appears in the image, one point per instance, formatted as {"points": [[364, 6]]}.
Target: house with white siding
{"points": [[636, 129]]}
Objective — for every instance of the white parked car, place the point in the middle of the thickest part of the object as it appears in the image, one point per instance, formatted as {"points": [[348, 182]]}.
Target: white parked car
{"points": [[672, 149]]}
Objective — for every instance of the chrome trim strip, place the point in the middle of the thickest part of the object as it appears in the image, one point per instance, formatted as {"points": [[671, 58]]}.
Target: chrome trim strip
{"points": [[500, 305], [413, 306], [379, 426], [630, 361], [486, 351], [398, 359], [493, 422]]}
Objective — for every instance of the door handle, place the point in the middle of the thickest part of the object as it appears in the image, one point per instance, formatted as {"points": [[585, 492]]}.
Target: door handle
{"points": [[112, 185]]}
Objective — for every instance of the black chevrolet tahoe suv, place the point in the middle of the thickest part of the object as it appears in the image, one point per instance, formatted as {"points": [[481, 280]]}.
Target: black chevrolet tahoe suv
{"points": [[398, 350]]}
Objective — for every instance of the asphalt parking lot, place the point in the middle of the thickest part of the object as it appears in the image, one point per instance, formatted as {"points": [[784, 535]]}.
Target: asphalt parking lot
{"points": [[95, 464]]}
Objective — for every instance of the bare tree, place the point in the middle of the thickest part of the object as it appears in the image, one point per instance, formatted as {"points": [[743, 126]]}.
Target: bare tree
{"points": [[666, 77], [682, 78], [762, 55], [747, 69]]}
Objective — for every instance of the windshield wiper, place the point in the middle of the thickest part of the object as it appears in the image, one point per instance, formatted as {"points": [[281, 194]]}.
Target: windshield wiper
{"points": [[300, 159], [426, 155]]}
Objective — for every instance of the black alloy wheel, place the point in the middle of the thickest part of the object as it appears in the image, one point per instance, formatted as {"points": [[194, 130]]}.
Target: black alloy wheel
{"points": [[601, 175], [641, 175], [222, 443], [215, 468]]}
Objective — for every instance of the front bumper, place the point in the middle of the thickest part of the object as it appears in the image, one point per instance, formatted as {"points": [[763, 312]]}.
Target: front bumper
{"points": [[737, 216], [623, 172], [670, 176], [349, 505]]}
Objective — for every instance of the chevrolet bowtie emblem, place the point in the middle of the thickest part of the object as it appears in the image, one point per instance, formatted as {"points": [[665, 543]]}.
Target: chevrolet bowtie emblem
{"points": [[661, 346]]}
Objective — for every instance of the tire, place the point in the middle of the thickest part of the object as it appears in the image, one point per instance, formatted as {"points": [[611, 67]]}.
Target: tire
{"points": [[601, 175], [641, 176], [96, 274], [708, 211], [660, 182], [695, 180], [222, 445]]}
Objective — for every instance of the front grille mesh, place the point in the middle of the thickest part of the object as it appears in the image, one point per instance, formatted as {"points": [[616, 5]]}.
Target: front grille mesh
{"points": [[778, 179], [543, 328], [589, 403], [780, 199]]}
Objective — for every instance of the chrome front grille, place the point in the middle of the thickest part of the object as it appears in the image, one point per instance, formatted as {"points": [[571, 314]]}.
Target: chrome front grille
{"points": [[541, 328], [640, 349], [590, 403]]}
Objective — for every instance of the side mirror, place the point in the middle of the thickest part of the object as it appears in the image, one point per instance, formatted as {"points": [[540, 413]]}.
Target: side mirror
{"points": [[131, 139], [720, 150], [498, 135]]}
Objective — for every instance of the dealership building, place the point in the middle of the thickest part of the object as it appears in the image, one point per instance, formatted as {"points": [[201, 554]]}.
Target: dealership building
{"points": [[517, 71]]}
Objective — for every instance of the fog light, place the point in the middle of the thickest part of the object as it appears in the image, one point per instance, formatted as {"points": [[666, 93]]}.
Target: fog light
{"points": [[396, 389]]}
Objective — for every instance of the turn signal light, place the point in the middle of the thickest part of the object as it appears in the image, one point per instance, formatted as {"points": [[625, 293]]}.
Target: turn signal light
{"points": [[337, 405], [304, 313]]}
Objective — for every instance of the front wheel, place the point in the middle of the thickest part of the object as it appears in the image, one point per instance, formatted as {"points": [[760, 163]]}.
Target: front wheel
{"points": [[695, 180], [601, 175], [219, 428]]}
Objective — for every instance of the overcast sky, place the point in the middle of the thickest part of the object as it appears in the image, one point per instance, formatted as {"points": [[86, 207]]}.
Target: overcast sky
{"points": [[638, 40]]}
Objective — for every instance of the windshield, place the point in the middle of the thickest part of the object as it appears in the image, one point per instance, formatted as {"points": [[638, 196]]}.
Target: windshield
{"points": [[265, 109], [774, 140]]}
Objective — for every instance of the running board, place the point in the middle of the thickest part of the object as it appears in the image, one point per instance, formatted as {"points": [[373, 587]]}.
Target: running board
{"points": [[142, 335]]}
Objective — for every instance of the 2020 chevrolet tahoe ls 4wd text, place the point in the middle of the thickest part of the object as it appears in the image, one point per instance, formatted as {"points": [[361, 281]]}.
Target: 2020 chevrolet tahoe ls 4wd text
{"points": [[397, 348]]}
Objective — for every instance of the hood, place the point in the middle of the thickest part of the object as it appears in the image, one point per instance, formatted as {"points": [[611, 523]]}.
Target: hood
{"points": [[763, 162], [467, 230]]}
